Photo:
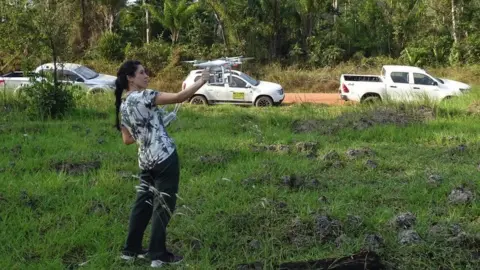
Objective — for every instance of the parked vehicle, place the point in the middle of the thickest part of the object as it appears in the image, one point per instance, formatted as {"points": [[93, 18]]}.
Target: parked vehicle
{"points": [[399, 83], [66, 73], [228, 86]]}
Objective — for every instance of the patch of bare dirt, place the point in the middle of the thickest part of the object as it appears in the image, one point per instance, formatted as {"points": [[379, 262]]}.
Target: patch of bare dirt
{"points": [[322, 228], [310, 148], [74, 256], [434, 179], [254, 244], [76, 168], [300, 233], [460, 195], [361, 121], [98, 208], [408, 237], [454, 235], [298, 181], [474, 108], [373, 242], [359, 153], [327, 228], [457, 150], [404, 221]]}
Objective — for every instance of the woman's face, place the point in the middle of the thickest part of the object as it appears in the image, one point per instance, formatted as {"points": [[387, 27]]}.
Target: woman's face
{"points": [[141, 78]]}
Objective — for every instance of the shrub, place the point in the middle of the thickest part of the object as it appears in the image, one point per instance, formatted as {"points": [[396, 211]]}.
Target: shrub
{"points": [[44, 99], [111, 47], [153, 55]]}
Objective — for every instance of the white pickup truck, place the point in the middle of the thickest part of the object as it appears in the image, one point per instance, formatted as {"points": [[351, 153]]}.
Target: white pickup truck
{"points": [[66, 73], [398, 83]]}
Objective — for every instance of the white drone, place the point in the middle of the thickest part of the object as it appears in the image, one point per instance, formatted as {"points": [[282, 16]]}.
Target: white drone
{"points": [[225, 63], [219, 66]]}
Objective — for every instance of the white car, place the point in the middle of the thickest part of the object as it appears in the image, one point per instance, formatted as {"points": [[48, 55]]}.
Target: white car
{"points": [[235, 87], [79, 74], [399, 83], [66, 73]]}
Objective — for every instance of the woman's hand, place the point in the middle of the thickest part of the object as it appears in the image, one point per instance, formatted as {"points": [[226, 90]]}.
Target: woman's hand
{"points": [[172, 98]]}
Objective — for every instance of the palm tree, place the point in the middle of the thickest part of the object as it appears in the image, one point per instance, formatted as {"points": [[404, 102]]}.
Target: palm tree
{"points": [[175, 16]]}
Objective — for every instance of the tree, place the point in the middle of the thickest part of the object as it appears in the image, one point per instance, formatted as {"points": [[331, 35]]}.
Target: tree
{"points": [[175, 16]]}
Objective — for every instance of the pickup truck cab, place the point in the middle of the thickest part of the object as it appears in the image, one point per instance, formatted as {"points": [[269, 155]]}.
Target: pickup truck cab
{"points": [[234, 87], [399, 83], [92, 81]]}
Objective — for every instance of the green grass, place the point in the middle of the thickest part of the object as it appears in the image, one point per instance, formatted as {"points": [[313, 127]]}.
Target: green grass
{"points": [[234, 195]]}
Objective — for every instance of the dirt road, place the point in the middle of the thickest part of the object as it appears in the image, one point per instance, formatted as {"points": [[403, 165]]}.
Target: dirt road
{"points": [[330, 99]]}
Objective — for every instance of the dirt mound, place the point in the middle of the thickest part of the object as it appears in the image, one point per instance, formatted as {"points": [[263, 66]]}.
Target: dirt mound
{"points": [[76, 168], [474, 108], [361, 121]]}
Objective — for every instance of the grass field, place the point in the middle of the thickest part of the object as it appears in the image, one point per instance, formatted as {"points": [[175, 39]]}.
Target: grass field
{"points": [[274, 185]]}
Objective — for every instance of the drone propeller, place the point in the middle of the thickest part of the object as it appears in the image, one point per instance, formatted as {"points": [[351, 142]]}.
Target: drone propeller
{"points": [[193, 61]]}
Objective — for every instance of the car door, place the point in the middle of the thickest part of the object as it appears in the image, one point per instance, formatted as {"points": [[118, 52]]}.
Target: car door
{"points": [[425, 87], [238, 90], [399, 88], [212, 89]]}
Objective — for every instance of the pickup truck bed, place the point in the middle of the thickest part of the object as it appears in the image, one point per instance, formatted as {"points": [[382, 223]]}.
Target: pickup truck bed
{"points": [[13, 79]]}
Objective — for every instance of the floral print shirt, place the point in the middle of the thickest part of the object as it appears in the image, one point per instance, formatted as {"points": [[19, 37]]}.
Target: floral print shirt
{"points": [[143, 119]]}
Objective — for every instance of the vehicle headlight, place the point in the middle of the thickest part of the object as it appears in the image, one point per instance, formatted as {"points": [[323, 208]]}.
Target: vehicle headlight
{"points": [[280, 92]]}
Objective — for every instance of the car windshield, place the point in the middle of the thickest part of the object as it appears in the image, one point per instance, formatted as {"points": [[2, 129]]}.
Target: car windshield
{"points": [[249, 79], [86, 72]]}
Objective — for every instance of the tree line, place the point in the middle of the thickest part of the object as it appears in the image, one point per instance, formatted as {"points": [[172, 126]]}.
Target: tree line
{"points": [[311, 33]]}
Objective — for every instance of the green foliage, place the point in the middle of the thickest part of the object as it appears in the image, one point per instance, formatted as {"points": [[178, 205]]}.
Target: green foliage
{"points": [[45, 100], [310, 33], [174, 16], [111, 47], [471, 49], [154, 55]]}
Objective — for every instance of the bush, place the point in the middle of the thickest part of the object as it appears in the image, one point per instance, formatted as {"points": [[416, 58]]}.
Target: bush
{"points": [[111, 47], [153, 55], [44, 99]]}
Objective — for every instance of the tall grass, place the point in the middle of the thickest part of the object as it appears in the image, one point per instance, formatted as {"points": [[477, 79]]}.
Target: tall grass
{"points": [[296, 79]]}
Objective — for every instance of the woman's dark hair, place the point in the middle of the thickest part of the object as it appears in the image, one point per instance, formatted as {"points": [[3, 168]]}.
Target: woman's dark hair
{"points": [[128, 68]]}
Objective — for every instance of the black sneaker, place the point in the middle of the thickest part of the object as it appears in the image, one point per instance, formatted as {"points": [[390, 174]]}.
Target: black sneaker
{"points": [[169, 258], [127, 256]]}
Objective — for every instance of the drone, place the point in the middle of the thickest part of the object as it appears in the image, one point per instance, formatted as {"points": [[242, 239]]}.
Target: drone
{"points": [[225, 63], [219, 67]]}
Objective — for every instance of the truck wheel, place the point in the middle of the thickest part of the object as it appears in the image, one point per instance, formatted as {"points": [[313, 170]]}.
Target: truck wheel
{"points": [[371, 99], [264, 101], [198, 100]]}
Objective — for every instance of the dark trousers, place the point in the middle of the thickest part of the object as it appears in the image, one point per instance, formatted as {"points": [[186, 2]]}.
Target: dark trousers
{"points": [[165, 178]]}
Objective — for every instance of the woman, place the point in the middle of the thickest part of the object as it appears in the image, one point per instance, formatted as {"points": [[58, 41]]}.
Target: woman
{"points": [[141, 122]]}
